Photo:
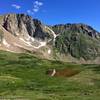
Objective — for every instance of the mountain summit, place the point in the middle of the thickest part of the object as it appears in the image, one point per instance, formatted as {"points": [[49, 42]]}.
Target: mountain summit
{"points": [[71, 42]]}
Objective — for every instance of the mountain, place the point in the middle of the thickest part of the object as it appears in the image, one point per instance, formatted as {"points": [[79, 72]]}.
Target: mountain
{"points": [[21, 32], [79, 40], [78, 43]]}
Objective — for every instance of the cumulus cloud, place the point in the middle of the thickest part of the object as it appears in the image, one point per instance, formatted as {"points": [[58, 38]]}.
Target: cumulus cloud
{"points": [[30, 12], [37, 3], [36, 7], [16, 6]]}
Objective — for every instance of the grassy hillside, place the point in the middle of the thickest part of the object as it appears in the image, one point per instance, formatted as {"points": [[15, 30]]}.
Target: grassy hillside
{"points": [[23, 76]]}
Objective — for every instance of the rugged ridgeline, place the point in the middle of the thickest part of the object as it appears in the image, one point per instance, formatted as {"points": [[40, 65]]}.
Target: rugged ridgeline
{"points": [[19, 32], [79, 40], [69, 42]]}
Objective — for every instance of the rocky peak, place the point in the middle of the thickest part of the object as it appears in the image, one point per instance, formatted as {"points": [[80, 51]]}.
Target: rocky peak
{"points": [[21, 24], [80, 28], [22, 33], [40, 28]]}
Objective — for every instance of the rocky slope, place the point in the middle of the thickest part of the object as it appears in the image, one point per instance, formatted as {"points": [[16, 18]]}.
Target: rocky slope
{"points": [[18, 24], [24, 32], [80, 40], [70, 42]]}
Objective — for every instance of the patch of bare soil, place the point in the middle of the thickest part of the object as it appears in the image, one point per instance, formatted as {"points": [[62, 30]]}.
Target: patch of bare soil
{"points": [[62, 72]]}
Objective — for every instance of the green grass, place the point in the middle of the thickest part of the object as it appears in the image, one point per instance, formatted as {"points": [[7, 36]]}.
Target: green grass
{"points": [[22, 76]]}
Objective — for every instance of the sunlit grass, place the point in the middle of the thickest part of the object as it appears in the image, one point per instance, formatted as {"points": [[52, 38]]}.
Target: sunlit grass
{"points": [[24, 76]]}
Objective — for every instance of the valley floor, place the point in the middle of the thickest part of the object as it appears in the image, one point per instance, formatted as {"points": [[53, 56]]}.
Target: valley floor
{"points": [[23, 77]]}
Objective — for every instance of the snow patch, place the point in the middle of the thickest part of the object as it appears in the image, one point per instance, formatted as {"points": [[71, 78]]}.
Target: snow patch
{"points": [[5, 43], [52, 32], [10, 50], [28, 43], [29, 38], [41, 45], [54, 72], [32, 39], [49, 51], [18, 45]]}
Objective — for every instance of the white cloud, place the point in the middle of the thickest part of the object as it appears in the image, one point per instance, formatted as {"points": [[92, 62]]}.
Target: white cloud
{"points": [[36, 7], [38, 3], [16, 6], [30, 12]]}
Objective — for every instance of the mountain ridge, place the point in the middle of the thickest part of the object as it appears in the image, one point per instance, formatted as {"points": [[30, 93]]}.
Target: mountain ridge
{"points": [[50, 42]]}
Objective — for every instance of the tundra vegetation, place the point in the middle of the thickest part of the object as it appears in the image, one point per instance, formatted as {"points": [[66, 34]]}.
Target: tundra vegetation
{"points": [[23, 76]]}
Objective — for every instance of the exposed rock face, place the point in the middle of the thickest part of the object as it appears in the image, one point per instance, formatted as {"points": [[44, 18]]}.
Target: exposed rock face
{"points": [[79, 40], [21, 33], [80, 28], [1, 36], [21, 24], [25, 24], [40, 28]]}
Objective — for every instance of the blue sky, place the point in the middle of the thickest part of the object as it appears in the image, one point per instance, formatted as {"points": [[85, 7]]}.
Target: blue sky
{"points": [[56, 11]]}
